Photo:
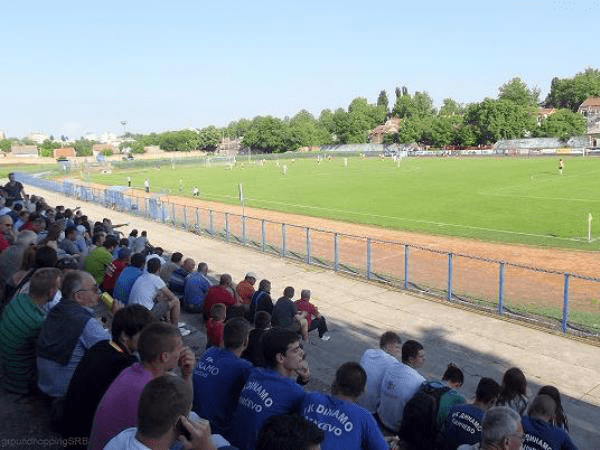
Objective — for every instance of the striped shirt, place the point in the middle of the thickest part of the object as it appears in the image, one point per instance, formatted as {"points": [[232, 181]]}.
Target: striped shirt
{"points": [[19, 328]]}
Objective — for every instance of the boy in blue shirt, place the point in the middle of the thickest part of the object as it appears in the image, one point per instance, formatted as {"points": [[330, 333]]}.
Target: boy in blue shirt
{"points": [[270, 391], [219, 377], [346, 424], [539, 433]]}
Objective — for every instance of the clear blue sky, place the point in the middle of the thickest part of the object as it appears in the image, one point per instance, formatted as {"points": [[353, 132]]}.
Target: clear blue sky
{"points": [[70, 67]]}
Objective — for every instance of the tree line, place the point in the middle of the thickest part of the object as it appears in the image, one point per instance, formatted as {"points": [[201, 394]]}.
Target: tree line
{"points": [[512, 115]]}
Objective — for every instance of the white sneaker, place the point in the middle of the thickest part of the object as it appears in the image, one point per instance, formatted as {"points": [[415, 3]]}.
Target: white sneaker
{"points": [[325, 337], [184, 331], [181, 324]]}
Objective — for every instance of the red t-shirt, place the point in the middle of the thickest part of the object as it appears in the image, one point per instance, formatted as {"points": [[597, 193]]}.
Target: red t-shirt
{"points": [[4, 244], [245, 291], [311, 310], [109, 281], [214, 331], [217, 294]]}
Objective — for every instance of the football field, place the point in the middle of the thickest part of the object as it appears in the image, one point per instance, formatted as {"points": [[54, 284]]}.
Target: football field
{"points": [[508, 200]]}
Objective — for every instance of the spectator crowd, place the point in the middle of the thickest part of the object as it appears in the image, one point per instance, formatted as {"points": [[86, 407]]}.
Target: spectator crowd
{"points": [[91, 324]]}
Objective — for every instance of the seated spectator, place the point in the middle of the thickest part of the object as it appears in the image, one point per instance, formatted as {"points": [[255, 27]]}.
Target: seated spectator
{"points": [[463, 423], [178, 277], [224, 293], [245, 288], [123, 243], [60, 348], [19, 328], [334, 412], [161, 349], [195, 289], [501, 429], [103, 362], [7, 235], [97, 261], [111, 277], [145, 292], [12, 257], [68, 243], [539, 432], [215, 326], [128, 277], [253, 353], [261, 300], [156, 252], [314, 319], [219, 377], [514, 390], [285, 315], [269, 392], [453, 378], [162, 413], [289, 432], [400, 382], [167, 269], [375, 361], [560, 418]]}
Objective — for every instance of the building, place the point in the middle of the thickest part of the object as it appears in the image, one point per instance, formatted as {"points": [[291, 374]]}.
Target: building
{"points": [[65, 152], [590, 109], [37, 137], [23, 151], [377, 134], [2, 135]]}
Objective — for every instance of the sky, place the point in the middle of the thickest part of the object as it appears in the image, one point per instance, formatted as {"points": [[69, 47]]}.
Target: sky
{"points": [[71, 68]]}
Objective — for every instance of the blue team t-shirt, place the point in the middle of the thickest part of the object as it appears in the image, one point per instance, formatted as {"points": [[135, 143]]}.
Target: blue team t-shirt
{"points": [[462, 426], [265, 394], [125, 282], [218, 379], [346, 425], [540, 435]]}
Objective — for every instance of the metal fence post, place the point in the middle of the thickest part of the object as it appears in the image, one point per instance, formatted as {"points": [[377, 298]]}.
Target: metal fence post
{"points": [[244, 229], [406, 252], [336, 252], [227, 227], [565, 312], [368, 258], [198, 224], [211, 223], [308, 245], [501, 289], [185, 220], [263, 235], [450, 276], [174, 216], [283, 243]]}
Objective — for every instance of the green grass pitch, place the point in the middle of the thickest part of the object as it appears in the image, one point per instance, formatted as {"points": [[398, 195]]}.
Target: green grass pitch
{"points": [[511, 200]]}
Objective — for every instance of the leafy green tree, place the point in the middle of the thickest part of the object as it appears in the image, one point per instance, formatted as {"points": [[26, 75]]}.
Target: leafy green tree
{"points": [[326, 121], [444, 130], [383, 101], [83, 147], [47, 147], [516, 90], [571, 92], [178, 141], [266, 134], [563, 124], [304, 130], [492, 120], [450, 108], [209, 138], [421, 104], [5, 145]]}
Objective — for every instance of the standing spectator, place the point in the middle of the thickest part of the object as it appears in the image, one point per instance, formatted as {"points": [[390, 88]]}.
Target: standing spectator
{"points": [[245, 288], [539, 432], [195, 289], [261, 300], [334, 412], [99, 260], [224, 293], [14, 190], [313, 317], [19, 327], [146, 185], [514, 390], [375, 361], [119, 264], [59, 347], [145, 292], [161, 350], [178, 277], [400, 382], [269, 392], [167, 269], [103, 362], [219, 377], [127, 278], [463, 423]]}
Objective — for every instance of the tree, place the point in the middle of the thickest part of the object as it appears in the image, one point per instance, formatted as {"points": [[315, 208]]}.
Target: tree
{"points": [[450, 108], [47, 147], [563, 124], [572, 92], [5, 145], [516, 90], [266, 134], [382, 100], [83, 147], [421, 104], [209, 138], [492, 120]]}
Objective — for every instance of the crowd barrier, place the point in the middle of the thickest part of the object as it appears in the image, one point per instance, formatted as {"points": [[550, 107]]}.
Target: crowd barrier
{"points": [[565, 301]]}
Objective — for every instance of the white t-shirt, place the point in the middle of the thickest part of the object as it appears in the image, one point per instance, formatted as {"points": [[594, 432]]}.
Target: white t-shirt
{"points": [[145, 289], [375, 361], [399, 384]]}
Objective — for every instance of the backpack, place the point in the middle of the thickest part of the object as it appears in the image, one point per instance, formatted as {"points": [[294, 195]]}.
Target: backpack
{"points": [[418, 428]]}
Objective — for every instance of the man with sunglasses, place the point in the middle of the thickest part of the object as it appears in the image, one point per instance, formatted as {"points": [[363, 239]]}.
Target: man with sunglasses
{"points": [[60, 348]]}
